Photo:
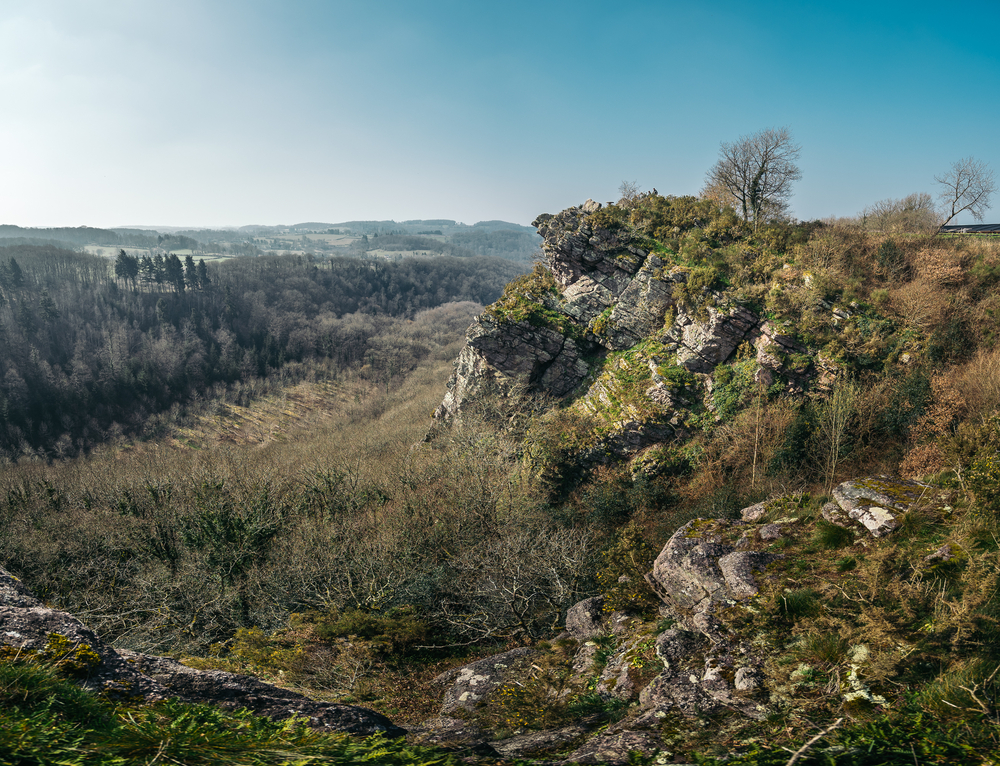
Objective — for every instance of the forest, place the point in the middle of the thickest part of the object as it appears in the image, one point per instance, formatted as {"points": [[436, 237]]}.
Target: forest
{"points": [[93, 349]]}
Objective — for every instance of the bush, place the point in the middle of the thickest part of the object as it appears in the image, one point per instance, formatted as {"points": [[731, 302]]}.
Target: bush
{"points": [[622, 574], [395, 631], [984, 482]]}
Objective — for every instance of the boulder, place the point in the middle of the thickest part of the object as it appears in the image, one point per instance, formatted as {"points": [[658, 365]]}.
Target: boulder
{"points": [[754, 512], [540, 742], [703, 344], [452, 734], [615, 748], [738, 570], [686, 574], [696, 569], [472, 683], [585, 619], [877, 502]]}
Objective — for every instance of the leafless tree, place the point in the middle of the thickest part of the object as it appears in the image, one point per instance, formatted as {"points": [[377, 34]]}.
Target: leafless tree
{"points": [[969, 185], [629, 191], [757, 171]]}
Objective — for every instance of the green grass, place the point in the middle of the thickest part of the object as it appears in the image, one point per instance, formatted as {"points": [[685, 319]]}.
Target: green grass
{"points": [[46, 719]]}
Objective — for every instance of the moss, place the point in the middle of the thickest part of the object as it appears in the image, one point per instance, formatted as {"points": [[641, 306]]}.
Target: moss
{"points": [[599, 325], [69, 659], [619, 391], [529, 299]]}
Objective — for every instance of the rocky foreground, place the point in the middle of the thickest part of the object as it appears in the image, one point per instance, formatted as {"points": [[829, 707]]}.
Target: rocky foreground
{"points": [[709, 571]]}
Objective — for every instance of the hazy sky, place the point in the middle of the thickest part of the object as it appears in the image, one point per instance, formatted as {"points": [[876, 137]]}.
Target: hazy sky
{"points": [[214, 113]]}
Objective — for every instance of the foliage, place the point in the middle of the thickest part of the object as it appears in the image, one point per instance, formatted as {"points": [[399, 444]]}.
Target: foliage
{"points": [[900, 740], [755, 173], [622, 573], [395, 631], [968, 186], [733, 384], [92, 351]]}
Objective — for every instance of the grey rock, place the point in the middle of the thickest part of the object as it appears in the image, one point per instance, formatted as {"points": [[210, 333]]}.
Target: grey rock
{"points": [[453, 734], [738, 569], [701, 345], [585, 619], [673, 646], [14, 593], [232, 691], [770, 532], [540, 742], [26, 623], [754, 512], [641, 307], [747, 679], [686, 574], [942, 555], [877, 502], [832, 513], [615, 748], [693, 569], [471, 684]]}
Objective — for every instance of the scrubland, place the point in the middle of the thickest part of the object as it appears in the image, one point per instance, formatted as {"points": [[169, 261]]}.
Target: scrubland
{"points": [[308, 532]]}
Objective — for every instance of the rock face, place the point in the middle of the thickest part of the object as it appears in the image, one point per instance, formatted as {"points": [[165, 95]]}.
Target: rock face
{"points": [[610, 295], [696, 569], [472, 683], [708, 659], [28, 624]]}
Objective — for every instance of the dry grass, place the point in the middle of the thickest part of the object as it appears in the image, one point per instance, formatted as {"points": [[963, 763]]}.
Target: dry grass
{"points": [[979, 382]]}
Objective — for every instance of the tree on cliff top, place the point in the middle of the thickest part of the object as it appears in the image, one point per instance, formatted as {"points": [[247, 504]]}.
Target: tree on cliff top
{"points": [[969, 185], [756, 172]]}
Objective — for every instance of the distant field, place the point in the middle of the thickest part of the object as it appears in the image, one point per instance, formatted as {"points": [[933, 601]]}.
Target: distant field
{"points": [[403, 253], [112, 252], [333, 239]]}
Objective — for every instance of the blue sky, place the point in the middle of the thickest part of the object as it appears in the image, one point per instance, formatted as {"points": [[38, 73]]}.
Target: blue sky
{"points": [[219, 113]]}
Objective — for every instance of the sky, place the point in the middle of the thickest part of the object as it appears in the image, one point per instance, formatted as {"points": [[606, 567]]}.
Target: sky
{"points": [[210, 113]]}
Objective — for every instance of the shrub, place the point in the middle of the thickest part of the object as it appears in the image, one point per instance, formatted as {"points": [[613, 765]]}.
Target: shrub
{"points": [[622, 574], [984, 482], [394, 631]]}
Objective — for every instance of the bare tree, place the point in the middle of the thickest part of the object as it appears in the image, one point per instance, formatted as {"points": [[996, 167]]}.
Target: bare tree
{"points": [[629, 191], [967, 186], [757, 171]]}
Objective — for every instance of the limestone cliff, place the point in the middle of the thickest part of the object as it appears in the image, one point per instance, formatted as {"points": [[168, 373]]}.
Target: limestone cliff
{"points": [[628, 330]]}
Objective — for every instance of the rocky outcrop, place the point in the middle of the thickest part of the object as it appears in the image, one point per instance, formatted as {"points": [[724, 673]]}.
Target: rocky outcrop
{"points": [[471, 684], [586, 619], [878, 503], [609, 294], [27, 624], [714, 577], [701, 345], [698, 568]]}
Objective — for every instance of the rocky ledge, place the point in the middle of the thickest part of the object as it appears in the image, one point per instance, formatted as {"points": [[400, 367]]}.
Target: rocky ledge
{"points": [[27, 625]]}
